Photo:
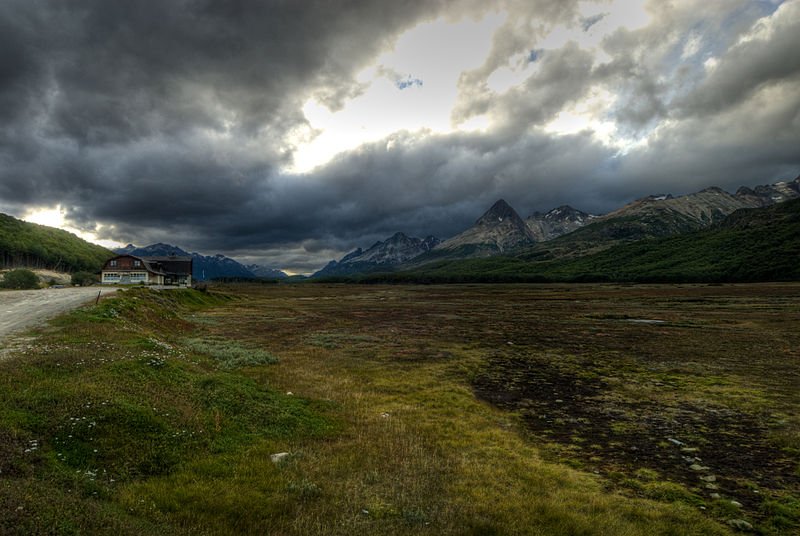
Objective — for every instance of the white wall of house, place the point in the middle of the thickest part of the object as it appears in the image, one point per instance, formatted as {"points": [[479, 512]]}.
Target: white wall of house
{"points": [[131, 278]]}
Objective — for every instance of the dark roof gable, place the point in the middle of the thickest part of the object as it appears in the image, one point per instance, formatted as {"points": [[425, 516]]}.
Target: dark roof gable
{"points": [[171, 265]]}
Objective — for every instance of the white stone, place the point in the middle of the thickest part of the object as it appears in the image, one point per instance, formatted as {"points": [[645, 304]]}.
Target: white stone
{"points": [[279, 457]]}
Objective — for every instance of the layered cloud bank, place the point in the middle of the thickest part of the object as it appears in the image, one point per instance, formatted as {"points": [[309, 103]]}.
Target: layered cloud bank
{"points": [[289, 132]]}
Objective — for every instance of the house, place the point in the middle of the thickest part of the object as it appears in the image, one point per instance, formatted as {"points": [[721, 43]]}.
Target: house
{"points": [[133, 270]]}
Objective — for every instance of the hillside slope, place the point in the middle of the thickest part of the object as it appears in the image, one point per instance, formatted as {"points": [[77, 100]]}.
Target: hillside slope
{"points": [[30, 245], [658, 216], [759, 244]]}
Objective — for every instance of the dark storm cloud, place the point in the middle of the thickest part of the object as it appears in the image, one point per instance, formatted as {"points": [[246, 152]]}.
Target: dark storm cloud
{"points": [[148, 115], [171, 121], [439, 185], [93, 80]]}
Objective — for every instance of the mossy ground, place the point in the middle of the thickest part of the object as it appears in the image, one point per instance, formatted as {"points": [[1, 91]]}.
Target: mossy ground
{"points": [[407, 410]]}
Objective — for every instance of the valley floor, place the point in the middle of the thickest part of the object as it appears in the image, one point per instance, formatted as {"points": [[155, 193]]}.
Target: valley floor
{"points": [[471, 409]]}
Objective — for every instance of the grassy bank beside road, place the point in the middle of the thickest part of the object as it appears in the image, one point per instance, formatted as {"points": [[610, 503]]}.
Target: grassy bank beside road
{"points": [[409, 410]]}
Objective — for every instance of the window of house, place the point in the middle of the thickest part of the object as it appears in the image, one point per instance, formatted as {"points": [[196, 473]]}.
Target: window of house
{"points": [[113, 263], [137, 263]]}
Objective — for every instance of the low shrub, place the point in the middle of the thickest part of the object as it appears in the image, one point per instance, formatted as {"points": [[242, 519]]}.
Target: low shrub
{"points": [[20, 279], [84, 279]]}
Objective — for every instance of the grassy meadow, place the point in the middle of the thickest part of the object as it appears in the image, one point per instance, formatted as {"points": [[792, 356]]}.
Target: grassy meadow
{"points": [[469, 409]]}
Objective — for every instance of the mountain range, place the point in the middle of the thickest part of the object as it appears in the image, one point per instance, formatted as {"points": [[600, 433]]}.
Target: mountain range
{"points": [[395, 250], [658, 236], [205, 267], [752, 244], [563, 232]]}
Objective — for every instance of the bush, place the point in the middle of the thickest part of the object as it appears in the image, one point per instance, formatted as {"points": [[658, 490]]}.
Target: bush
{"points": [[84, 279], [20, 279]]}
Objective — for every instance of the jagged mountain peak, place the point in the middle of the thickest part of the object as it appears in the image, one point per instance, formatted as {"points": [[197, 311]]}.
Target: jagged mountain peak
{"points": [[499, 229], [565, 212], [498, 212], [556, 222], [714, 190]]}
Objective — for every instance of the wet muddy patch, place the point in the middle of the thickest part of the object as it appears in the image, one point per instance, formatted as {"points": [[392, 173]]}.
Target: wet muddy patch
{"points": [[717, 453]]}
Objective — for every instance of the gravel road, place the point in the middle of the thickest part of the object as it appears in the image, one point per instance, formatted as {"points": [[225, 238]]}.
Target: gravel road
{"points": [[23, 309]]}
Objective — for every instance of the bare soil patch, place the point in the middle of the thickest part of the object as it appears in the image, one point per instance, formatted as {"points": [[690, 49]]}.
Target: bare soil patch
{"points": [[709, 449]]}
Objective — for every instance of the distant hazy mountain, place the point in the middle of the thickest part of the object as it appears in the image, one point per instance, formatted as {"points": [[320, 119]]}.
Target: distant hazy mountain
{"points": [[266, 272], [396, 249], [557, 222], [153, 250], [203, 267], [499, 230]]}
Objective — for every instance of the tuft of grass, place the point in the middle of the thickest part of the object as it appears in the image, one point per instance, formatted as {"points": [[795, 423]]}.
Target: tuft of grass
{"points": [[229, 354], [782, 515], [670, 492]]}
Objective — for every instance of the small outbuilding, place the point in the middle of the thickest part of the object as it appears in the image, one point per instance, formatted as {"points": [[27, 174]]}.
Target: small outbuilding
{"points": [[133, 270]]}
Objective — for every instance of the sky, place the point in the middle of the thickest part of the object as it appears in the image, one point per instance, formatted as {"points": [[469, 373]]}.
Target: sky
{"points": [[287, 133]]}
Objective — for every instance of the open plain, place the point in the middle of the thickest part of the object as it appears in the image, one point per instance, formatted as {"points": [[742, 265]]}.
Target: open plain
{"points": [[469, 409]]}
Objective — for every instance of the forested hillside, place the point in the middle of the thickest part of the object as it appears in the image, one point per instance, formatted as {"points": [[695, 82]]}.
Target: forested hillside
{"points": [[31, 245]]}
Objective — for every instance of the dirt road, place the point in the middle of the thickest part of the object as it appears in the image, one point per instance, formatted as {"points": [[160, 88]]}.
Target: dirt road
{"points": [[22, 309]]}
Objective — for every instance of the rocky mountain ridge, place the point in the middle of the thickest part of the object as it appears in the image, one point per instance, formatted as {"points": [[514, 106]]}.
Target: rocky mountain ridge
{"points": [[558, 221], [565, 231], [663, 215], [706, 206], [499, 230], [396, 249]]}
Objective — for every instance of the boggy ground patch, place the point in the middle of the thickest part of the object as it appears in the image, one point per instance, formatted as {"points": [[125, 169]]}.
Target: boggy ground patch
{"points": [[716, 452]]}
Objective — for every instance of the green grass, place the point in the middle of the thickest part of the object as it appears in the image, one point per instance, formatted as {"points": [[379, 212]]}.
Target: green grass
{"points": [[230, 355], [109, 397], [405, 410]]}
